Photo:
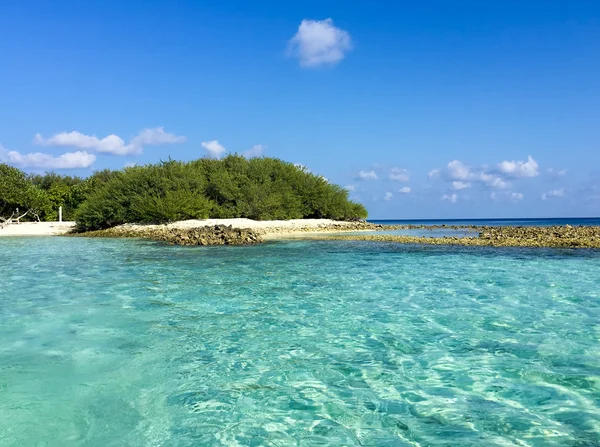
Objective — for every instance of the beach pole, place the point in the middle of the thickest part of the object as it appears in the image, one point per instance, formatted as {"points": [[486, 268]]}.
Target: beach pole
{"points": [[60, 213]]}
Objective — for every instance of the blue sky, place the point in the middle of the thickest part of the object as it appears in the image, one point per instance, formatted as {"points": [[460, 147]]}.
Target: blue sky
{"points": [[429, 109]]}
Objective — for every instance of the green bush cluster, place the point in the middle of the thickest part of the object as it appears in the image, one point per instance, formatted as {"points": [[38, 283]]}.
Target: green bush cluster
{"points": [[42, 195], [257, 188]]}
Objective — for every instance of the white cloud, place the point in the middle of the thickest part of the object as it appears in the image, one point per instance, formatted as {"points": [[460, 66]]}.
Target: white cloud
{"points": [[350, 188], [492, 181], [367, 175], [457, 185], [214, 148], [319, 42], [434, 173], [556, 173], [155, 137], [69, 160], [462, 176], [399, 175], [388, 196], [405, 190], [130, 164], [255, 151], [452, 198], [554, 193], [458, 171], [111, 144], [506, 195], [514, 168]]}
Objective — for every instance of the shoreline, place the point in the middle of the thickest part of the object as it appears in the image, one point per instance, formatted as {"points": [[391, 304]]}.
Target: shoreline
{"points": [[563, 236], [246, 231], [233, 231], [269, 229], [34, 229]]}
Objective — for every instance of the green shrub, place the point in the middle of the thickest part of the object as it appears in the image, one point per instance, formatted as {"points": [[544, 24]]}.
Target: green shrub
{"points": [[258, 188]]}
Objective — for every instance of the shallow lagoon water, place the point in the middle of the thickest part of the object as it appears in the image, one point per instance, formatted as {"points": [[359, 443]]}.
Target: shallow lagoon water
{"points": [[307, 343], [423, 232]]}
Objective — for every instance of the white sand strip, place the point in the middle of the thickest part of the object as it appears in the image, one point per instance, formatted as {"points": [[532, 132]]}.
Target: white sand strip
{"points": [[37, 229], [271, 229]]}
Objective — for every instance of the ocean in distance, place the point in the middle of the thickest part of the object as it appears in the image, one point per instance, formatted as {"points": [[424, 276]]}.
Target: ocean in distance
{"points": [[461, 232], [513, 222], [110, 342]]}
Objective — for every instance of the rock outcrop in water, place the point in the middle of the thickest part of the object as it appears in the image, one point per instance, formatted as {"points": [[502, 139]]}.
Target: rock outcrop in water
{"points": [[223, 234], [215, 235], [557, 236]]}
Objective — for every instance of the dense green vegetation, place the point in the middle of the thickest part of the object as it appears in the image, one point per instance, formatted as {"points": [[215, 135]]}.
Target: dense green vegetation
{"points": [[257, 188], [41, 195]]}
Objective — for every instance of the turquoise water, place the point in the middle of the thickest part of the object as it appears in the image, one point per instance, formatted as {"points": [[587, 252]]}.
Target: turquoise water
{"points": [[421, 232], [300, 343]]}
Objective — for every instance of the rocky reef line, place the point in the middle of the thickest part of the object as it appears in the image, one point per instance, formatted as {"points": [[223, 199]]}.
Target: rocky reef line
{"points": [[491, 236], [213, 235], [556, 236], [219, 234]]}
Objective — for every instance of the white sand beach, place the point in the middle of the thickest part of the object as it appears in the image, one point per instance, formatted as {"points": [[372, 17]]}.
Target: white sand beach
{"points": [[37, 229], [271, 229]]}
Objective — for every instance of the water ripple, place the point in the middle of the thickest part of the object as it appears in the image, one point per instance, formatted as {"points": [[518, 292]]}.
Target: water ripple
{"points": [[113, 342]]}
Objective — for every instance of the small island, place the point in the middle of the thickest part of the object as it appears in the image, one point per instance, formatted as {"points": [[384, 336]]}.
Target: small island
{"points": [[231, 201], [262, 196]]}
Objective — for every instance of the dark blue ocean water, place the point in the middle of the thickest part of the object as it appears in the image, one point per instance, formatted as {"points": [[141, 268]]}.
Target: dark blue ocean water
{"points": [[528, 222]]}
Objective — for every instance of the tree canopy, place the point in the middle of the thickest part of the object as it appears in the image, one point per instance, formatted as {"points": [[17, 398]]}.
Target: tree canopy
{"points": [[257, 188]]}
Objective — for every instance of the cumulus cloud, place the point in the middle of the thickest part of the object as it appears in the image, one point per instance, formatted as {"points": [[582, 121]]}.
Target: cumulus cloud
{"points": [[505, 195], [514, 168], [405, 190], [319, 42], [493, 181], [452, 198], [399, 175], [458, 185], [367, 175], [155, 137], [388, 196], [214, 148], [555, 174], [434, 173], [111, 144], [457, 170], [69, 160], [462, 176], [255, 151], [350, 188], [553, 194]]}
